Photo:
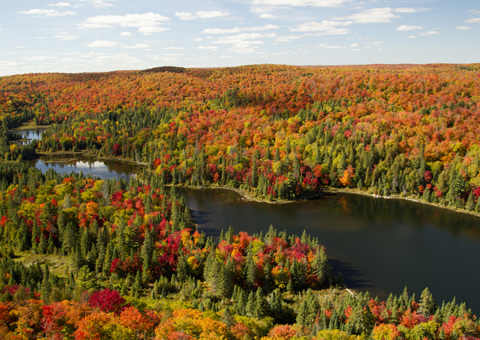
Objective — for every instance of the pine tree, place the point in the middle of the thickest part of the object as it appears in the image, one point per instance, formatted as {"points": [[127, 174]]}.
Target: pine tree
{"points": [[250, 271], [227, 318], [241, 304], [182, 270], [303, 315], [470, 202], [46, 286], [261, 305], [70, 237], [225, 281], [250, 307], [276, 304], [42, 247], [321, 268], [85, 243], [427, 304]]}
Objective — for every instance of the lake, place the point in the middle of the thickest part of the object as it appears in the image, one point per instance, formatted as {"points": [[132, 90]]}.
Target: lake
{"points": [[30, 135], [379, 245], [104, 169]]}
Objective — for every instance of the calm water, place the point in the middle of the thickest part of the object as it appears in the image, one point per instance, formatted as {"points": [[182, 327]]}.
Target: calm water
{"points": [[30, 135], [88, 166], [379, 245]]}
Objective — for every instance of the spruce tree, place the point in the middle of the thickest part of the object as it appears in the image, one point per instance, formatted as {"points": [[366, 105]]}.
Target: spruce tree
{"points": [[427, 304], [182, 270], [241, 304], [250, 308], [470, 202], [261, 305]]}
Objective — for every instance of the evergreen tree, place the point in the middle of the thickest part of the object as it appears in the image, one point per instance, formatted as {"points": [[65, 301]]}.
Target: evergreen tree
{"points": [[261, 305], [470, 202], [241, 304], [182, 270], [250, 307], [427, 304], [227, 318]]}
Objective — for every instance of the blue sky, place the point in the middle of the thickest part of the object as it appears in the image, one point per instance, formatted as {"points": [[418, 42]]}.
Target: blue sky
{"points": [[107, 35]]}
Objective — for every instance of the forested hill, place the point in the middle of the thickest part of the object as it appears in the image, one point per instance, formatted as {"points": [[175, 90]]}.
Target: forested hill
{"points": [[83, 258], [276, 131]]}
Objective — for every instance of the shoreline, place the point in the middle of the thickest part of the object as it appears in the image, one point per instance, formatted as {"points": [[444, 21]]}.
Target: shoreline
{"points": [[396, 197], [247, 195], [30, 127]]}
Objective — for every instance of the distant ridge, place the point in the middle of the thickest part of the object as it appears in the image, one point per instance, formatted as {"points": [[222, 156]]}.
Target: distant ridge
{"points": [[171, 69]]}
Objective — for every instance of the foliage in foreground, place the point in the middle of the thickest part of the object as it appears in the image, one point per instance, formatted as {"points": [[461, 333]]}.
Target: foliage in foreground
{"points": [[90, 259]]}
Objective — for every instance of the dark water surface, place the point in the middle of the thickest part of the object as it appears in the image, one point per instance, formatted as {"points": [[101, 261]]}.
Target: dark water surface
{"points": [[379, 245]]}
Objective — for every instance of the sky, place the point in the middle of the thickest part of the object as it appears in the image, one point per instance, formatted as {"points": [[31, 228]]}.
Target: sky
{"points": [[107, 35]]}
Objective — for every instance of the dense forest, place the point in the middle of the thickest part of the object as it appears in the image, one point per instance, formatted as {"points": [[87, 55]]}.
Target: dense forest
{"points": [[83, 258]]}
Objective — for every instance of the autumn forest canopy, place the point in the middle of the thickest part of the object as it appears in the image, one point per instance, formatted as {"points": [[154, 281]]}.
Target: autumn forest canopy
{"points": [[83, 258]]}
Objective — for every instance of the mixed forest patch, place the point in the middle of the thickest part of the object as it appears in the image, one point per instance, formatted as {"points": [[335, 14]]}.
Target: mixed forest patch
{"points": [[86, 258]]}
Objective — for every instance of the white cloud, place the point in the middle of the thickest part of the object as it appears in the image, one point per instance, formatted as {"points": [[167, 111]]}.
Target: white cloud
{"points": [[208, 48], [147, 23], [40, 58], [110, 43], [473, 21], [260, 28], [373, 15], [185, 15], [200, 15], [325, 27], [302, 3], [463, 28], [267, 16], [405, 10], [411, 37], [129, 20], [64, 36], [126, 34], [474, 11], [46, 12], [239, 37], [429, 33], [103, 43], [409, 28], [288, 38], [221, 30], [148, 30], [354, 45], [138, 46], [244, 42], [239, 29], [94, 3], [330, 47], [172, 48], [60, 4]]}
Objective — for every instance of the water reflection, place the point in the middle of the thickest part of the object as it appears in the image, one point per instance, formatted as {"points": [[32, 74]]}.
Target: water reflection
{"points": [[88, 166], [27, 136], [379, 245]]}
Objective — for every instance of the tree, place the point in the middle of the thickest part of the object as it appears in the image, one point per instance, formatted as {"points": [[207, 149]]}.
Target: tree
{"points": [[427, 304]]}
